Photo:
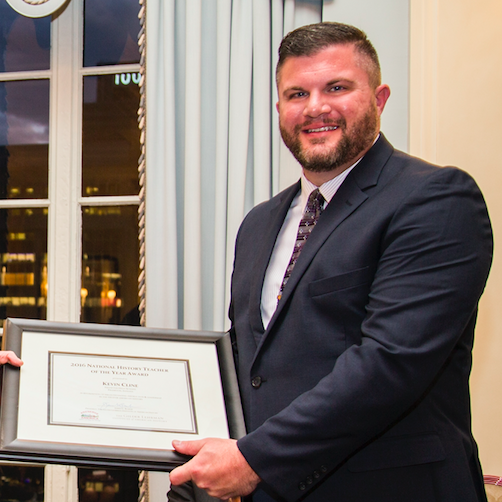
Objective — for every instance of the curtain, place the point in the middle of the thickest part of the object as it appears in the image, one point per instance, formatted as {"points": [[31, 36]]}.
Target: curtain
{"points": [[212, 145]]}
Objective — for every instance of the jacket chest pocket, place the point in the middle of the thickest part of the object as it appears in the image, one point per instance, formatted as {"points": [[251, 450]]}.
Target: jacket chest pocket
{"points": [[342, 300], [353, 279]]}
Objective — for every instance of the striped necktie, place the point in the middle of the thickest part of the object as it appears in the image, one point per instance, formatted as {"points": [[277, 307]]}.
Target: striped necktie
{"points": [[309, 219]]}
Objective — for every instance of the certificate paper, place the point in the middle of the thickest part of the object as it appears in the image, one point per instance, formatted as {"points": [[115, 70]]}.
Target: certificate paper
{"points": [[121, 393]]}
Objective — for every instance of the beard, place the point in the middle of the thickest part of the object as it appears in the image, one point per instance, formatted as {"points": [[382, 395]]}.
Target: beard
{"points": [[351, 144]]}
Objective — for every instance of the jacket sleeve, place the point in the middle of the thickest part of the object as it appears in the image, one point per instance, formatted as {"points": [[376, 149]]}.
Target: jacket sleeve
{"points": [[434, 261]]}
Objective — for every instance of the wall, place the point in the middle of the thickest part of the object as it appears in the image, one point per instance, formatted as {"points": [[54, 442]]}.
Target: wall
{"points": [[455, 105]]}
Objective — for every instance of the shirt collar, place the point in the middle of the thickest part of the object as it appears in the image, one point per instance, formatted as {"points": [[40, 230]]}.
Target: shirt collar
{"points": [[327, 189]]}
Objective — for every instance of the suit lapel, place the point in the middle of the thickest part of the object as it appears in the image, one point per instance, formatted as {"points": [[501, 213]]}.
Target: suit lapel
{"points": [[278, 212], [351, 194]]}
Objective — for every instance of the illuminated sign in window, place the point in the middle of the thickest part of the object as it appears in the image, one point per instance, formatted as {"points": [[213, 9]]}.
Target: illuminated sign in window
{"points": [[127, 78]]}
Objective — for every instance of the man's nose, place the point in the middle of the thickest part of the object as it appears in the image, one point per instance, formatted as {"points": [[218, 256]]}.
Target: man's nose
{"points": [[316, 106]]}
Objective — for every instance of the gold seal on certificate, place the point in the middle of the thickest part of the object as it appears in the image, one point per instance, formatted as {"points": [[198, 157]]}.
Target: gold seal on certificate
{"points": [[106, 395]]}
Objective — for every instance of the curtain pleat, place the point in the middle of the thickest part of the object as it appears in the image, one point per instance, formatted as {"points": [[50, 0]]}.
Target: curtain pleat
{"points": [[161, 268], [261, 99], [224, 23], [192, 276]]}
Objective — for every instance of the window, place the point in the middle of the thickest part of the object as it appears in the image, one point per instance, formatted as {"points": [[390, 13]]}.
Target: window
{"points": [[24, 163], [110, 153], [69, 149]]}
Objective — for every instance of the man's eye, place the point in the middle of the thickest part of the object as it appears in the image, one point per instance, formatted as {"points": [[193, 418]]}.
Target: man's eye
{"points": [[299, 94], [336, 88]]}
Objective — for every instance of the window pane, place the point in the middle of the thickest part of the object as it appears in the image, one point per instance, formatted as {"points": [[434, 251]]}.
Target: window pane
{"points": [[107, 485], [22, 483], [110, 135], [23, 257], [24, 139], [24, 42], [111, 30], [110, 258]]}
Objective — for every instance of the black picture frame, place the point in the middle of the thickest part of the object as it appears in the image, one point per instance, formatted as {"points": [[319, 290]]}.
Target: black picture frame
{"points": [[16, 412]]}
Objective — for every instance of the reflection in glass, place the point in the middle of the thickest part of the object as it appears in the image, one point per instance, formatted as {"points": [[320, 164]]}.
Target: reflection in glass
{"points": [[110, 135], [23, 263], [24, 139], [111, 30], [110, 258], [107, 485], [21, 483], [24, 42]]}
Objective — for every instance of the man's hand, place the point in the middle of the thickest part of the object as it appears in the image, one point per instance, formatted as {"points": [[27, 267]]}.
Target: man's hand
{"points": [[7, 356], [218, 467]]}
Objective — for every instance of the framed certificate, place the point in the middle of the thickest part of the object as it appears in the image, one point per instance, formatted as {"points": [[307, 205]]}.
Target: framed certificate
{"points": [[116, 396]]}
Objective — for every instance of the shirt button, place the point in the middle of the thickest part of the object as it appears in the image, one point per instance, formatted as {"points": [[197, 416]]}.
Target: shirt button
{"points": [[256, 382], [302, 486], [309, 480], [324, 468], [316, 474]]}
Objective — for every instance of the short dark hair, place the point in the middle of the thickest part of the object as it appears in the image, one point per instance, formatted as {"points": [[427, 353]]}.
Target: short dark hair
{"points": [[310, 39]]}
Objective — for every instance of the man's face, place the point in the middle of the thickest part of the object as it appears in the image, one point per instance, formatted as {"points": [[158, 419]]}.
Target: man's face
{"points": [[329, 114]]}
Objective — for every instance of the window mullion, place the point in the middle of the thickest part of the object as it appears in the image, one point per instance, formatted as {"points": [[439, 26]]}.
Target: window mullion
{"points": [[64, 240]]}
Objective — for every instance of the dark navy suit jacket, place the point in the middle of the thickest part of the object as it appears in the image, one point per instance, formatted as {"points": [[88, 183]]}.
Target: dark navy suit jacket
{"points": [[358, 389]]}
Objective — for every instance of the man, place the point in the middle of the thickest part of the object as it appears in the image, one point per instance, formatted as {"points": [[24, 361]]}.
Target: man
{"points": [[353, 371]]}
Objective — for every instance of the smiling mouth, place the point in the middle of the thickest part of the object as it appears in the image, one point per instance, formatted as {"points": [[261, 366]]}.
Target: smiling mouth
{"points": [[322, 129]]}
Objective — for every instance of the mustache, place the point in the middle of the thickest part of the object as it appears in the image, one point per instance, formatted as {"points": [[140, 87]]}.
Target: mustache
{"points": [[341, 123]]}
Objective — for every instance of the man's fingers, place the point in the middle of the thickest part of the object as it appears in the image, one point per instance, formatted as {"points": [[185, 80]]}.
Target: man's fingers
{"points": [[188, 447], [183, 473], [14, 360], [180, 475], [217, 467], [9, 357]]}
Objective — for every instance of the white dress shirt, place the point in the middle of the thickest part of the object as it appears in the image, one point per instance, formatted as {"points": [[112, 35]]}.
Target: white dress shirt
{"points": [[287, 237]]}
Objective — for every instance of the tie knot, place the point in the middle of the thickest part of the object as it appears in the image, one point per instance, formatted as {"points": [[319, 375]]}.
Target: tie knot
{"points": [[315, 203]]}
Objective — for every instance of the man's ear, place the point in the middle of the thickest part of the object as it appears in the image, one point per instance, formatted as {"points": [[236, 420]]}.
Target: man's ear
{"points": [[382, 93]]}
